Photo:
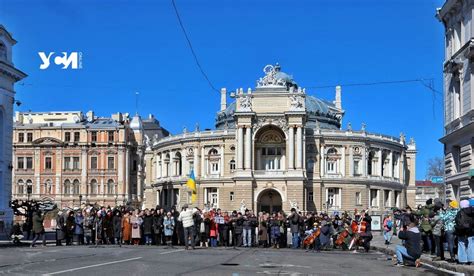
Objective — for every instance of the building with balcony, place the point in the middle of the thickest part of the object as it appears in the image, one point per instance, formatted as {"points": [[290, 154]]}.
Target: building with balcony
{"points": [[274, 148], [457, 19], [73, 158], [425, 189], [9, 75]]}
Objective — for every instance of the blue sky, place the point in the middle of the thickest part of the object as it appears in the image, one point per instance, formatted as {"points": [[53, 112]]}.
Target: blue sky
{"points": [[133, 46]]}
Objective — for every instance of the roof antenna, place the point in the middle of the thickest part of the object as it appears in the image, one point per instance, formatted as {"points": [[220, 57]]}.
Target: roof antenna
{"points": [[136, 102]]}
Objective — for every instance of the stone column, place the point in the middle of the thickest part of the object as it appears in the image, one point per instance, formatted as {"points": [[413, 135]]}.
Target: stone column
{"points": [[299, 147], [203, 164], [196, 162], [343, 161], [380, 163], [258, 166], [390, 164], [120, 170], [364, 162], [351, 162], [127, 175], [83, 187], [321, 161], [222, 161], [291, 145], [240, 148], [248, 147], [158, 166]]}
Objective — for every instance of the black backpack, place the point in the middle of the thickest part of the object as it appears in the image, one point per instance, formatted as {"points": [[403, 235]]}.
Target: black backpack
{"points": [[463, 222]]}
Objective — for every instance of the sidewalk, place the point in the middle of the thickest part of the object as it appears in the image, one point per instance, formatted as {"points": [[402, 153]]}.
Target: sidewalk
{"points": [[378, 243]]}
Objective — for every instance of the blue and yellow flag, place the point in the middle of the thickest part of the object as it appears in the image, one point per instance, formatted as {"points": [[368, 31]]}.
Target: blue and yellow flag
{"points": [[191, 183]]}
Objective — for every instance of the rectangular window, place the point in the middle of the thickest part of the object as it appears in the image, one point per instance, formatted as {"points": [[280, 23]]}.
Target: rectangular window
{"points": [[29, 162], [191, 167], [111, 136], [331, 166], [374, 198], [29, 137], [47, 163], [214, 167], [358, 198], [110, 163], [356, 167], [21, 137], [77, 136], [67, 136], [94, 136], [310, 196], [231, 196], [213, 197], [333, 198], [94, 162], [20, 164], [67, 163], [75, 163]]}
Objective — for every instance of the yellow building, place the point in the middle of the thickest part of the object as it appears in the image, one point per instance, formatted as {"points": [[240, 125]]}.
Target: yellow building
{"points": [[275, 147]]}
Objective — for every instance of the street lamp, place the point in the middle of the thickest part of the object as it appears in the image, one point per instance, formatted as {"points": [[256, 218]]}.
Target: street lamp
{"points": [[80, 200]]}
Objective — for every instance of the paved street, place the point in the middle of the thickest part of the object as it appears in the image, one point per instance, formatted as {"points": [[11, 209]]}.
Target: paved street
{"points": [[130, 260]]}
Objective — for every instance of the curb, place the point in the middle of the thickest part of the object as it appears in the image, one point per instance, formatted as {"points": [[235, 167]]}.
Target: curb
{"points": [[467, 270]]}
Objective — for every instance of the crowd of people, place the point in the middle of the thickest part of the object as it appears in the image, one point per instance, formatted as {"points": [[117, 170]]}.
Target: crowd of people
{"points": [[430, 228], [193, 227], [426, 229]]}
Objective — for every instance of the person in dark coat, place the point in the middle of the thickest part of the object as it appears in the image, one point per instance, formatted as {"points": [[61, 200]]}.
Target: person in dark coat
{"points": [[158, 226], [148, 227], [38, 228], [238, 225], [70, 226], [412, 248], [60, 228], [117, 225], [108, 227], [294, 220]]}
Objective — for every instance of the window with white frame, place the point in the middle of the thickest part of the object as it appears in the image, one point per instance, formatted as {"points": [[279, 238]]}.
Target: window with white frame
{"points": [[213, 162], [357, 170], [331, 166], [67, 187], [21, 187], [212, 197], [333, 197], [332, 160], [75, 163], [397, 199], [374, 198], [271, 158], [232, 165]]}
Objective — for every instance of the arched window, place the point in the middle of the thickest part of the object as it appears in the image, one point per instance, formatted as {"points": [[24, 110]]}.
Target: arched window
{"points": [[110, 187], [232, 165], [167, 165], [67, 187], [3, 51], [77, 187], [21, 187], [94, 187], [178, 164], [213, 152], [48, 187], [29, 186]]}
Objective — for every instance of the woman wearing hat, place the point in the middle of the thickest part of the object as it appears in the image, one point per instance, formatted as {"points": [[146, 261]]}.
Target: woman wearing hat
{"points": [[448, 218]]}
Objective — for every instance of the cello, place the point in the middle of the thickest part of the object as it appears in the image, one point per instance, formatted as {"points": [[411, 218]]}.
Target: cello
{"points": [[309, 240], [342, 236]]}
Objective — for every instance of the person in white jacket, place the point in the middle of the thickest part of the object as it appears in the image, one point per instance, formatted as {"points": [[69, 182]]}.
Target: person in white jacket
{"points": [[186, 216]]}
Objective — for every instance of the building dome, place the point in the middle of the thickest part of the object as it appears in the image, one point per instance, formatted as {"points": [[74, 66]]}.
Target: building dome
{"points": [[320, 114]]}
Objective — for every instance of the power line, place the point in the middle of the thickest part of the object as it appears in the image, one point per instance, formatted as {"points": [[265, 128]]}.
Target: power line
{"points": [[191, 47]]}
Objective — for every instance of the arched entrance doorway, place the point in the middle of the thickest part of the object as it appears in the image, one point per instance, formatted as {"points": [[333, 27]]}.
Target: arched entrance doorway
{"points": [[269, 201]]}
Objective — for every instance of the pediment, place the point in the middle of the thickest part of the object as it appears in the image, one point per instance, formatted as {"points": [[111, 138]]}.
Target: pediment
{"points": [[48, 141]]}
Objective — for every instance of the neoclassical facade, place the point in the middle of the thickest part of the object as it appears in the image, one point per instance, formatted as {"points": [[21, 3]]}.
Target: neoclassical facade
{"points": [[275, 147], [458, 139], [9, 75], [74, 158]]}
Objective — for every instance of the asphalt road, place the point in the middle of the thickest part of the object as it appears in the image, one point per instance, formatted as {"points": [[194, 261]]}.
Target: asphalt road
{"points": [[130, 260]]}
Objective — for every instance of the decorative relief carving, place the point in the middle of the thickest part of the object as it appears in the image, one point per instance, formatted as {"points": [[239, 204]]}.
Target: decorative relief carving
{"points": [[245, 103], [296, 103], [276, 121]]}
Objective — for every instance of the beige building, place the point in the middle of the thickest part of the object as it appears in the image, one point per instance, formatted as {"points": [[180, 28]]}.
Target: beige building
{"points": [[458, 139], [9, 75], [73, 158], [275, 147]]}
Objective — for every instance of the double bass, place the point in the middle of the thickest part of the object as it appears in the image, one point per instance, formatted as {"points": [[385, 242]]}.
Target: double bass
{"points": [[309, 240]]}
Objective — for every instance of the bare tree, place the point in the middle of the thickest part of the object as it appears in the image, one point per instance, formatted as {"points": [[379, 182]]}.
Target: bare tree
{"points": [[435, 167]]}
